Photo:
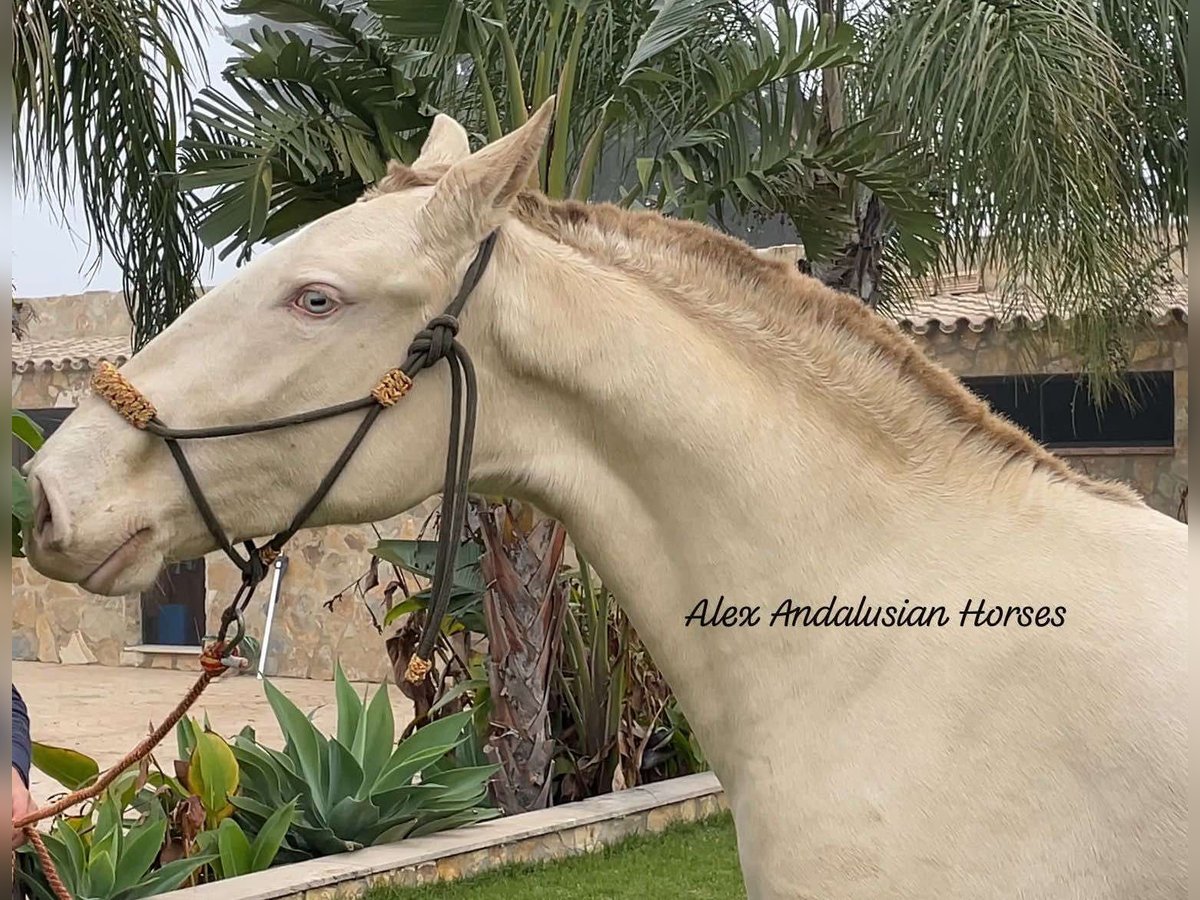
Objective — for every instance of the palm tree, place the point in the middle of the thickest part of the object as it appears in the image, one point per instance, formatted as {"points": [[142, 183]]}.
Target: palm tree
{"points": [[99, 90], [689, 106], [1056, 135]]}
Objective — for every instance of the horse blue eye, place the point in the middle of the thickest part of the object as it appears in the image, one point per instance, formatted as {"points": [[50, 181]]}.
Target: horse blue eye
{"points": [[316, 302]]}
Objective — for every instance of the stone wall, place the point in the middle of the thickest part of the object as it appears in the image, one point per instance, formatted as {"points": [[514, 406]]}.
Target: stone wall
{"points": [[56, 622], [1159, 474], [545, 835]]}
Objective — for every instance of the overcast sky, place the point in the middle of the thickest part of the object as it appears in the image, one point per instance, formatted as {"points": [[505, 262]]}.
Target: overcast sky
{"points": [[52, 257]]}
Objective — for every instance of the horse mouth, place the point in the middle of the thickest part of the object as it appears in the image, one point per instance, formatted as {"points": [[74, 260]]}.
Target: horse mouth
{"points": [[103, 579]]}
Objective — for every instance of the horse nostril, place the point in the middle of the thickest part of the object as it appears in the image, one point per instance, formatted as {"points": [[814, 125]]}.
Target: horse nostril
{"points": [[43, 518], [45, 526]]}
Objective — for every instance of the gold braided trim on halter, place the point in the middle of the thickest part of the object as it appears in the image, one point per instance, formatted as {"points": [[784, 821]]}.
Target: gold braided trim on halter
{"points": [[268, 554], [122, 395], [417, 670], [392, 386]]}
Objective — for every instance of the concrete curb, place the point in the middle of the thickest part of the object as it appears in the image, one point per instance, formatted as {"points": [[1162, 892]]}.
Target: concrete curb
{"points": [[547, 834]]}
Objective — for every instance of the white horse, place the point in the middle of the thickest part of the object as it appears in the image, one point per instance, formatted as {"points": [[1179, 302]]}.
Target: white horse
{"points": [[708, 423]]}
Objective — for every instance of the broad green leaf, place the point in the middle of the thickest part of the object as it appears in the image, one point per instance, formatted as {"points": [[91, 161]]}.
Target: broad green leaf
{"points": [[378, 731], [345, 775], [271, 836], [185, 737], [255, 808], [304, 739], [141, 848], [402, 609], [26, 430], [470, 684], [469, 778], [70, 768], [108, 822], [259, 775], [454, 820], [74, 852], [101, 872], [645, 168], [169, 877], [427, 744], [349, 707], [213, 775], [22, 503], [396, 832], [353, 816], [419, 558], [234, 848]]}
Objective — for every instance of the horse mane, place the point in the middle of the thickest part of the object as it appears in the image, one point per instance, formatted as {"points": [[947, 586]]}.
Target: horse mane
{"points": [[789, 305]]}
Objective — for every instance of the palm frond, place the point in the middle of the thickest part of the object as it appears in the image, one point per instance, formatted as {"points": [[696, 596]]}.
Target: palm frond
{"points": [[100, 87], [307, 125], [1057, 137]]}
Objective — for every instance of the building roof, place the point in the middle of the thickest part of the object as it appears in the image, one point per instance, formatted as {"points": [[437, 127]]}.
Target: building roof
{"points": [[31, 354], [974, 310], [958, 302]]}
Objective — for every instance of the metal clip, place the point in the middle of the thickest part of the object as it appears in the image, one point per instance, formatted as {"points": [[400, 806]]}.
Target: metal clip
{"points": [[230, 644]]}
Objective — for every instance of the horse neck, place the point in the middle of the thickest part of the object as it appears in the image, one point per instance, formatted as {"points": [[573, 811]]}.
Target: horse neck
{"points": [[682, 473]]}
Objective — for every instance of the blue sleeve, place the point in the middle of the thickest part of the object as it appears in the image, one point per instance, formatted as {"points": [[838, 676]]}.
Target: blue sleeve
{"points": [[21, 748]]}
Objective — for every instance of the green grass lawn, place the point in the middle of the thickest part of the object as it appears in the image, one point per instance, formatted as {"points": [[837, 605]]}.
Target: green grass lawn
{"points": [[697, 861]]}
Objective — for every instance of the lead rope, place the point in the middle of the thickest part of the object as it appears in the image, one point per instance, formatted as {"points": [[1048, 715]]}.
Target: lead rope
{"points": [[216, 657]]}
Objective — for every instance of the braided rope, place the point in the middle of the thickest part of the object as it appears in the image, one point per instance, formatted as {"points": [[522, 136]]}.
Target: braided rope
{"points": [[48, 869], [136, 755], [214, 663], [392, 386], [122, 396]]}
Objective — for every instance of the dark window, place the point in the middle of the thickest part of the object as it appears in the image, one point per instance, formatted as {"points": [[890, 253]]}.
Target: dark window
{"points": [[173, 610], [1057, 410], [48, 420]]}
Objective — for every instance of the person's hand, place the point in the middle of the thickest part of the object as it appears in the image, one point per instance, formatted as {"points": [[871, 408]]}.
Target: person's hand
{"points": [[21, 805]]}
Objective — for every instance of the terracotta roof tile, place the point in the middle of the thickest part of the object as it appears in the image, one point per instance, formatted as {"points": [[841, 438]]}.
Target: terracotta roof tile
{"points": [[78, 353], [976, 311]]}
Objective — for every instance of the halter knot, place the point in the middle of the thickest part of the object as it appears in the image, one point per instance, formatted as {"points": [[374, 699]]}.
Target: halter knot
{"points": [[436, 338]]}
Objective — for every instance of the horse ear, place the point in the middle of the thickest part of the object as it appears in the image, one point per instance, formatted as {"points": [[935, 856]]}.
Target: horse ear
{"points": [[446, 145], [474, 195]]}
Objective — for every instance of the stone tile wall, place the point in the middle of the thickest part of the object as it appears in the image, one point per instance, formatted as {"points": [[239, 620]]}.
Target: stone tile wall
{"points": [[56, 622]]}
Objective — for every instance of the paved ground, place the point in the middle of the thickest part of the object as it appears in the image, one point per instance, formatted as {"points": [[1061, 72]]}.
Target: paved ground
{"points": [[103, 711]]}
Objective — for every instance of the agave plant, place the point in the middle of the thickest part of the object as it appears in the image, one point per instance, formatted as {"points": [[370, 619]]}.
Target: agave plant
{"points": [[102, 860], [357, 787]]}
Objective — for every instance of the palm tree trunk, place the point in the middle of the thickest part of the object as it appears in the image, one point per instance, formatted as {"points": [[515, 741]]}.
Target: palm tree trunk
{"points": [[856, 268], [524, 608]]}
